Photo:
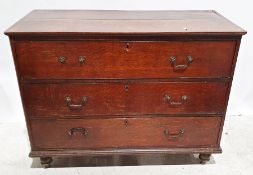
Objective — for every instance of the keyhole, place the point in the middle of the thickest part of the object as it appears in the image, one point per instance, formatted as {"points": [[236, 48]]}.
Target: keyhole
{"points": [[126, 123], [127, 47], [126, 88]]}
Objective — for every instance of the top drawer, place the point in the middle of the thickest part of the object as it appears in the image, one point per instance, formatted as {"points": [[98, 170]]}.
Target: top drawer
{"points": [[120, 60]]}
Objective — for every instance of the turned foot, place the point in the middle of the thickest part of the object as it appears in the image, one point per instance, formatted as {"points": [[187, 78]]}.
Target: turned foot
{"points": [[46, 161], [204, 158]]}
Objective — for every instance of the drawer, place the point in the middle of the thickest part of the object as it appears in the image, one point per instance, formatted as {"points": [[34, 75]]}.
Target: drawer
{"points": [[124, 99], [123, 60], [132, 132]]}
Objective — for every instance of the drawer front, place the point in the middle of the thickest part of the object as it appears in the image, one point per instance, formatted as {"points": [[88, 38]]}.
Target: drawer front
{"points": [[101, 60], [131, 133], [120, 99]]}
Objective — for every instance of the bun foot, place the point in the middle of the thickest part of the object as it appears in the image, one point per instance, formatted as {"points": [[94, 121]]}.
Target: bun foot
{"points": [[204, 158], [46, 161]]}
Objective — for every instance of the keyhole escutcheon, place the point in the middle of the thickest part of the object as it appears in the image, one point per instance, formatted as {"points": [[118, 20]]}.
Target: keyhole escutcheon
{"points": [[126, 87], [126, 123], [127, 47]]}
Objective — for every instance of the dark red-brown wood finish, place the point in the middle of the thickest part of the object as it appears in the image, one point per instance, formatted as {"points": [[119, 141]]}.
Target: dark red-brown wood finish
{"points": [[124, 82], [107, 60], [124, 99], [159, 132]]}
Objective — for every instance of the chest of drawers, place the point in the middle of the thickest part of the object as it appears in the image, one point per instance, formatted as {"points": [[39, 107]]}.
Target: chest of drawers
{"points": [[124, 82]]}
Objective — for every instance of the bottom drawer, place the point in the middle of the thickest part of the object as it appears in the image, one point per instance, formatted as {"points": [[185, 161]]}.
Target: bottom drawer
{"points": [[157, 132]]}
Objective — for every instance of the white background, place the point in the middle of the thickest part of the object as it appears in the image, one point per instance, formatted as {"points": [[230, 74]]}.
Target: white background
{"points": [[240, 12]]}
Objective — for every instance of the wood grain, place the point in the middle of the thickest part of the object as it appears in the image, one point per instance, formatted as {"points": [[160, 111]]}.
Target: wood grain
{"points": [[124, 99], [112, 133], [121, 151], [79, 22], [113, 60], [125, 77]]}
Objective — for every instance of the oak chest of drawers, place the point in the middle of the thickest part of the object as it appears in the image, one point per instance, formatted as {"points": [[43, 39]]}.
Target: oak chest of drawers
{"points": [[124, 82]]}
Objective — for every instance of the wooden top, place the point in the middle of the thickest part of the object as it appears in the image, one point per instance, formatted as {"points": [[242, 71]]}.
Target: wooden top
{"points": [[83, 22]]}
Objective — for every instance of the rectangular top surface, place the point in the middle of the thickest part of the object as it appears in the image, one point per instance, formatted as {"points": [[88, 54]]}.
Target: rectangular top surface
{"points": [[85, 22]]}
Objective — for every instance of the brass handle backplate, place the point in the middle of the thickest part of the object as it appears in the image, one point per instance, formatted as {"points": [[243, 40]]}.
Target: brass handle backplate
{"points": [[171, 102], [82, 131], [180, 67], [171, 136], [72, 106], [62, 60], [82, 59]]}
